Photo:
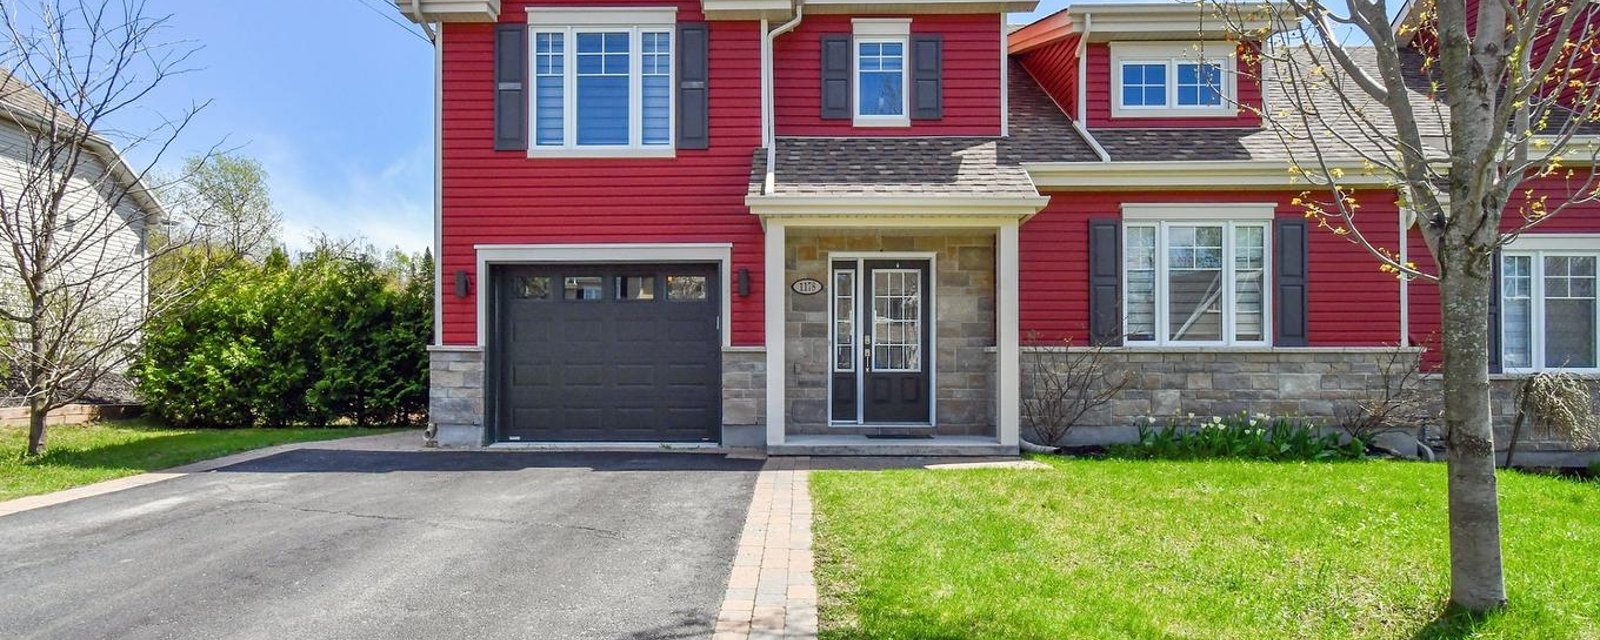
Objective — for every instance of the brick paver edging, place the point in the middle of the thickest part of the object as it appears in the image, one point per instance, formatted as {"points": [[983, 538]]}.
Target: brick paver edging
{"points": [[772, 592]]}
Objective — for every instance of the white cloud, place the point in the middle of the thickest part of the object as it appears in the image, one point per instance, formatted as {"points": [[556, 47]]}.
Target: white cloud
{"points": [[388, 206]]}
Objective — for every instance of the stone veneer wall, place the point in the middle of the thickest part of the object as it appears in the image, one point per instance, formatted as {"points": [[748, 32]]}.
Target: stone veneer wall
{"points": [[744, 388], [455, 396], [964, 292], [1166, 382]]}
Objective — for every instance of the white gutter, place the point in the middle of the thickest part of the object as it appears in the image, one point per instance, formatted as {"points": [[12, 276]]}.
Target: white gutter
{"points": [[1405, 283], [1083, 90], [769, 125], [416, 14]]}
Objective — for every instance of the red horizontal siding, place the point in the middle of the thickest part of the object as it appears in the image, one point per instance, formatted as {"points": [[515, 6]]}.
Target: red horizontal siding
{"points": [[1424, 296], [492, 197], [971, 78], [1351, 303], [1097, 87], [1054, 67]]}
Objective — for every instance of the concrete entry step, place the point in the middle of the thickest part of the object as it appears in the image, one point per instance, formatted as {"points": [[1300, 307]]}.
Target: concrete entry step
{"points": [[857, 445]]}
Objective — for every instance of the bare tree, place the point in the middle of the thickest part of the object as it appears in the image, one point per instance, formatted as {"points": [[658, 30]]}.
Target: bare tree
{"points": [[1063, 384], [75, 217], [1456, 112], [1398, 403]]}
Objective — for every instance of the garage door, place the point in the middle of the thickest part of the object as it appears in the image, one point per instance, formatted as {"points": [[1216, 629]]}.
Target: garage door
{"points": [[608, 353]]}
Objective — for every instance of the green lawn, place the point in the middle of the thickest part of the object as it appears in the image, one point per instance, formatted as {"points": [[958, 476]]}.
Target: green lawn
{"points": [[1121, 549], [85, 454]]}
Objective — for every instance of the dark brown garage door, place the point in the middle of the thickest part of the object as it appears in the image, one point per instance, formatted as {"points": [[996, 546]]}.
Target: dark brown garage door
{"points": [[607, 353]]}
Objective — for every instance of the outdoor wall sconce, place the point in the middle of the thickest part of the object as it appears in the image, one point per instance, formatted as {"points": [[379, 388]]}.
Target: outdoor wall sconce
{"points": [[744, 283], [463, 284]]}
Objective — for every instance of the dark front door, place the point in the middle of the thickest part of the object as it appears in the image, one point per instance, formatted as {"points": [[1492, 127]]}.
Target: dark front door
{"points": [[896, 325], [605, 353]]}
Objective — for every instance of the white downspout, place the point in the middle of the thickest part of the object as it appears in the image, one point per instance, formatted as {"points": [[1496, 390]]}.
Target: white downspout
{"points": [[769, 125], [1083, 90]]}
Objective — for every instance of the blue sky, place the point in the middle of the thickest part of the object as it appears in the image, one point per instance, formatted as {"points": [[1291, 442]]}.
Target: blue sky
{"points": [[339, 109]]}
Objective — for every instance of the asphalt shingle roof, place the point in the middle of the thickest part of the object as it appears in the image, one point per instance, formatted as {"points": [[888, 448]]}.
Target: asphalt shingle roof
{"points": [[914, 166]]}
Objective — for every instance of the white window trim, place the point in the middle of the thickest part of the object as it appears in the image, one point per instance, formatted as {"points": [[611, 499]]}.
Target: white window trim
{"points": [[1536, 247], [1173, 54], [894, 30], [1249, 217], [1204, 212], [569, 21]]}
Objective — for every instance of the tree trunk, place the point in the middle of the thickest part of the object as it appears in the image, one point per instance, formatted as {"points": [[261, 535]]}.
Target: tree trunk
{"points": [[1477, 581], [36, 417]]}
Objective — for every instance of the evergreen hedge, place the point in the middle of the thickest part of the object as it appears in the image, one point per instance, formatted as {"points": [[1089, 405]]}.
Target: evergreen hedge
{"points": [[339, 337]]}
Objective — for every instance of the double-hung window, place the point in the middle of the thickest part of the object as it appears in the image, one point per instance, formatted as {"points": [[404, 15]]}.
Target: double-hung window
{"points": [[1170, 80], [602, 81], [880, 52], [1193, 278], [1548, 304]]}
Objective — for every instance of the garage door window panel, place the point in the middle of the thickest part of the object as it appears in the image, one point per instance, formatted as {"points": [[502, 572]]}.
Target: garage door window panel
{"points": [[583, 288], [682, 288], [636, 288]]}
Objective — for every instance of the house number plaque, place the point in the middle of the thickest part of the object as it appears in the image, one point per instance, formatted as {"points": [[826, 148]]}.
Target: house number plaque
{"points": [[807, 286]]}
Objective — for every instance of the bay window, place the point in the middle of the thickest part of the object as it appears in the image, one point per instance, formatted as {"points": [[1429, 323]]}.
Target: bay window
{"points": [[1200, 282], [602, 82], [1548, 306]]}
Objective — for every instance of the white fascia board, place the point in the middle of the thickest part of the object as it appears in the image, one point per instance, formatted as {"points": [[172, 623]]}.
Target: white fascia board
{"points": [[1178, 21], [450, 10], [778, 10], [919, 6], [1049, 176], [915, 210], [601, 16]]}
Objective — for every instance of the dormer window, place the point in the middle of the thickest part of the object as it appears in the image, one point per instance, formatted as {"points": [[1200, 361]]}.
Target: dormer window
{"points": [[1167, 80]]}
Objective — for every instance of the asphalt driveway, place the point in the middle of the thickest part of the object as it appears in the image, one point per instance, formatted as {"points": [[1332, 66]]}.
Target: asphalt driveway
{"points": [[387, 544]]}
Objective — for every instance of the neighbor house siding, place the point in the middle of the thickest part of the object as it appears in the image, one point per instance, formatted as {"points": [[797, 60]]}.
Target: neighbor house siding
{"points": [[503, 197], [1055, 68], [971, 78], [1350, 302], [115, 262], [1098, 85]]}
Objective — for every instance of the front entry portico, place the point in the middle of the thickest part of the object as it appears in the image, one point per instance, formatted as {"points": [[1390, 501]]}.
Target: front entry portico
{"points": [[910, 347]]}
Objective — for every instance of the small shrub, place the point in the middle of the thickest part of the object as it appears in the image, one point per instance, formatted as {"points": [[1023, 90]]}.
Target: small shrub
{"points": [[1559, 405], [1063, 383], [1244, 437]]}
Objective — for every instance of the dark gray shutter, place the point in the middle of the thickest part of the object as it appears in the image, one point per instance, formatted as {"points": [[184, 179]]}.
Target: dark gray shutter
{"points": [[694, 77], [1289, 263], [1495, 364], [927, 77], [835, 77], [1105, 281], [510, 87]]}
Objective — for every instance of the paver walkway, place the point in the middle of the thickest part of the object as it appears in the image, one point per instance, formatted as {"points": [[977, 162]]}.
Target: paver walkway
{"points": [[772, 592]]}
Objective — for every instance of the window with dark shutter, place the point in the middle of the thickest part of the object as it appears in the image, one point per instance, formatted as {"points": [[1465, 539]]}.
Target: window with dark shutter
{"points": [[510, 87], [836, 77], [694, 77], [1289, 249], [927, 77], [1496, 364], [1105, 281]]}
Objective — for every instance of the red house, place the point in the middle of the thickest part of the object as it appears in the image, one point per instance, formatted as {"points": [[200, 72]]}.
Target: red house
{"points": [[851, 226]]}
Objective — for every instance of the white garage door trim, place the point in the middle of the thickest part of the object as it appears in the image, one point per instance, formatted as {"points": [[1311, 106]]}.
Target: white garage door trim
{"points": [[718, 252]]}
